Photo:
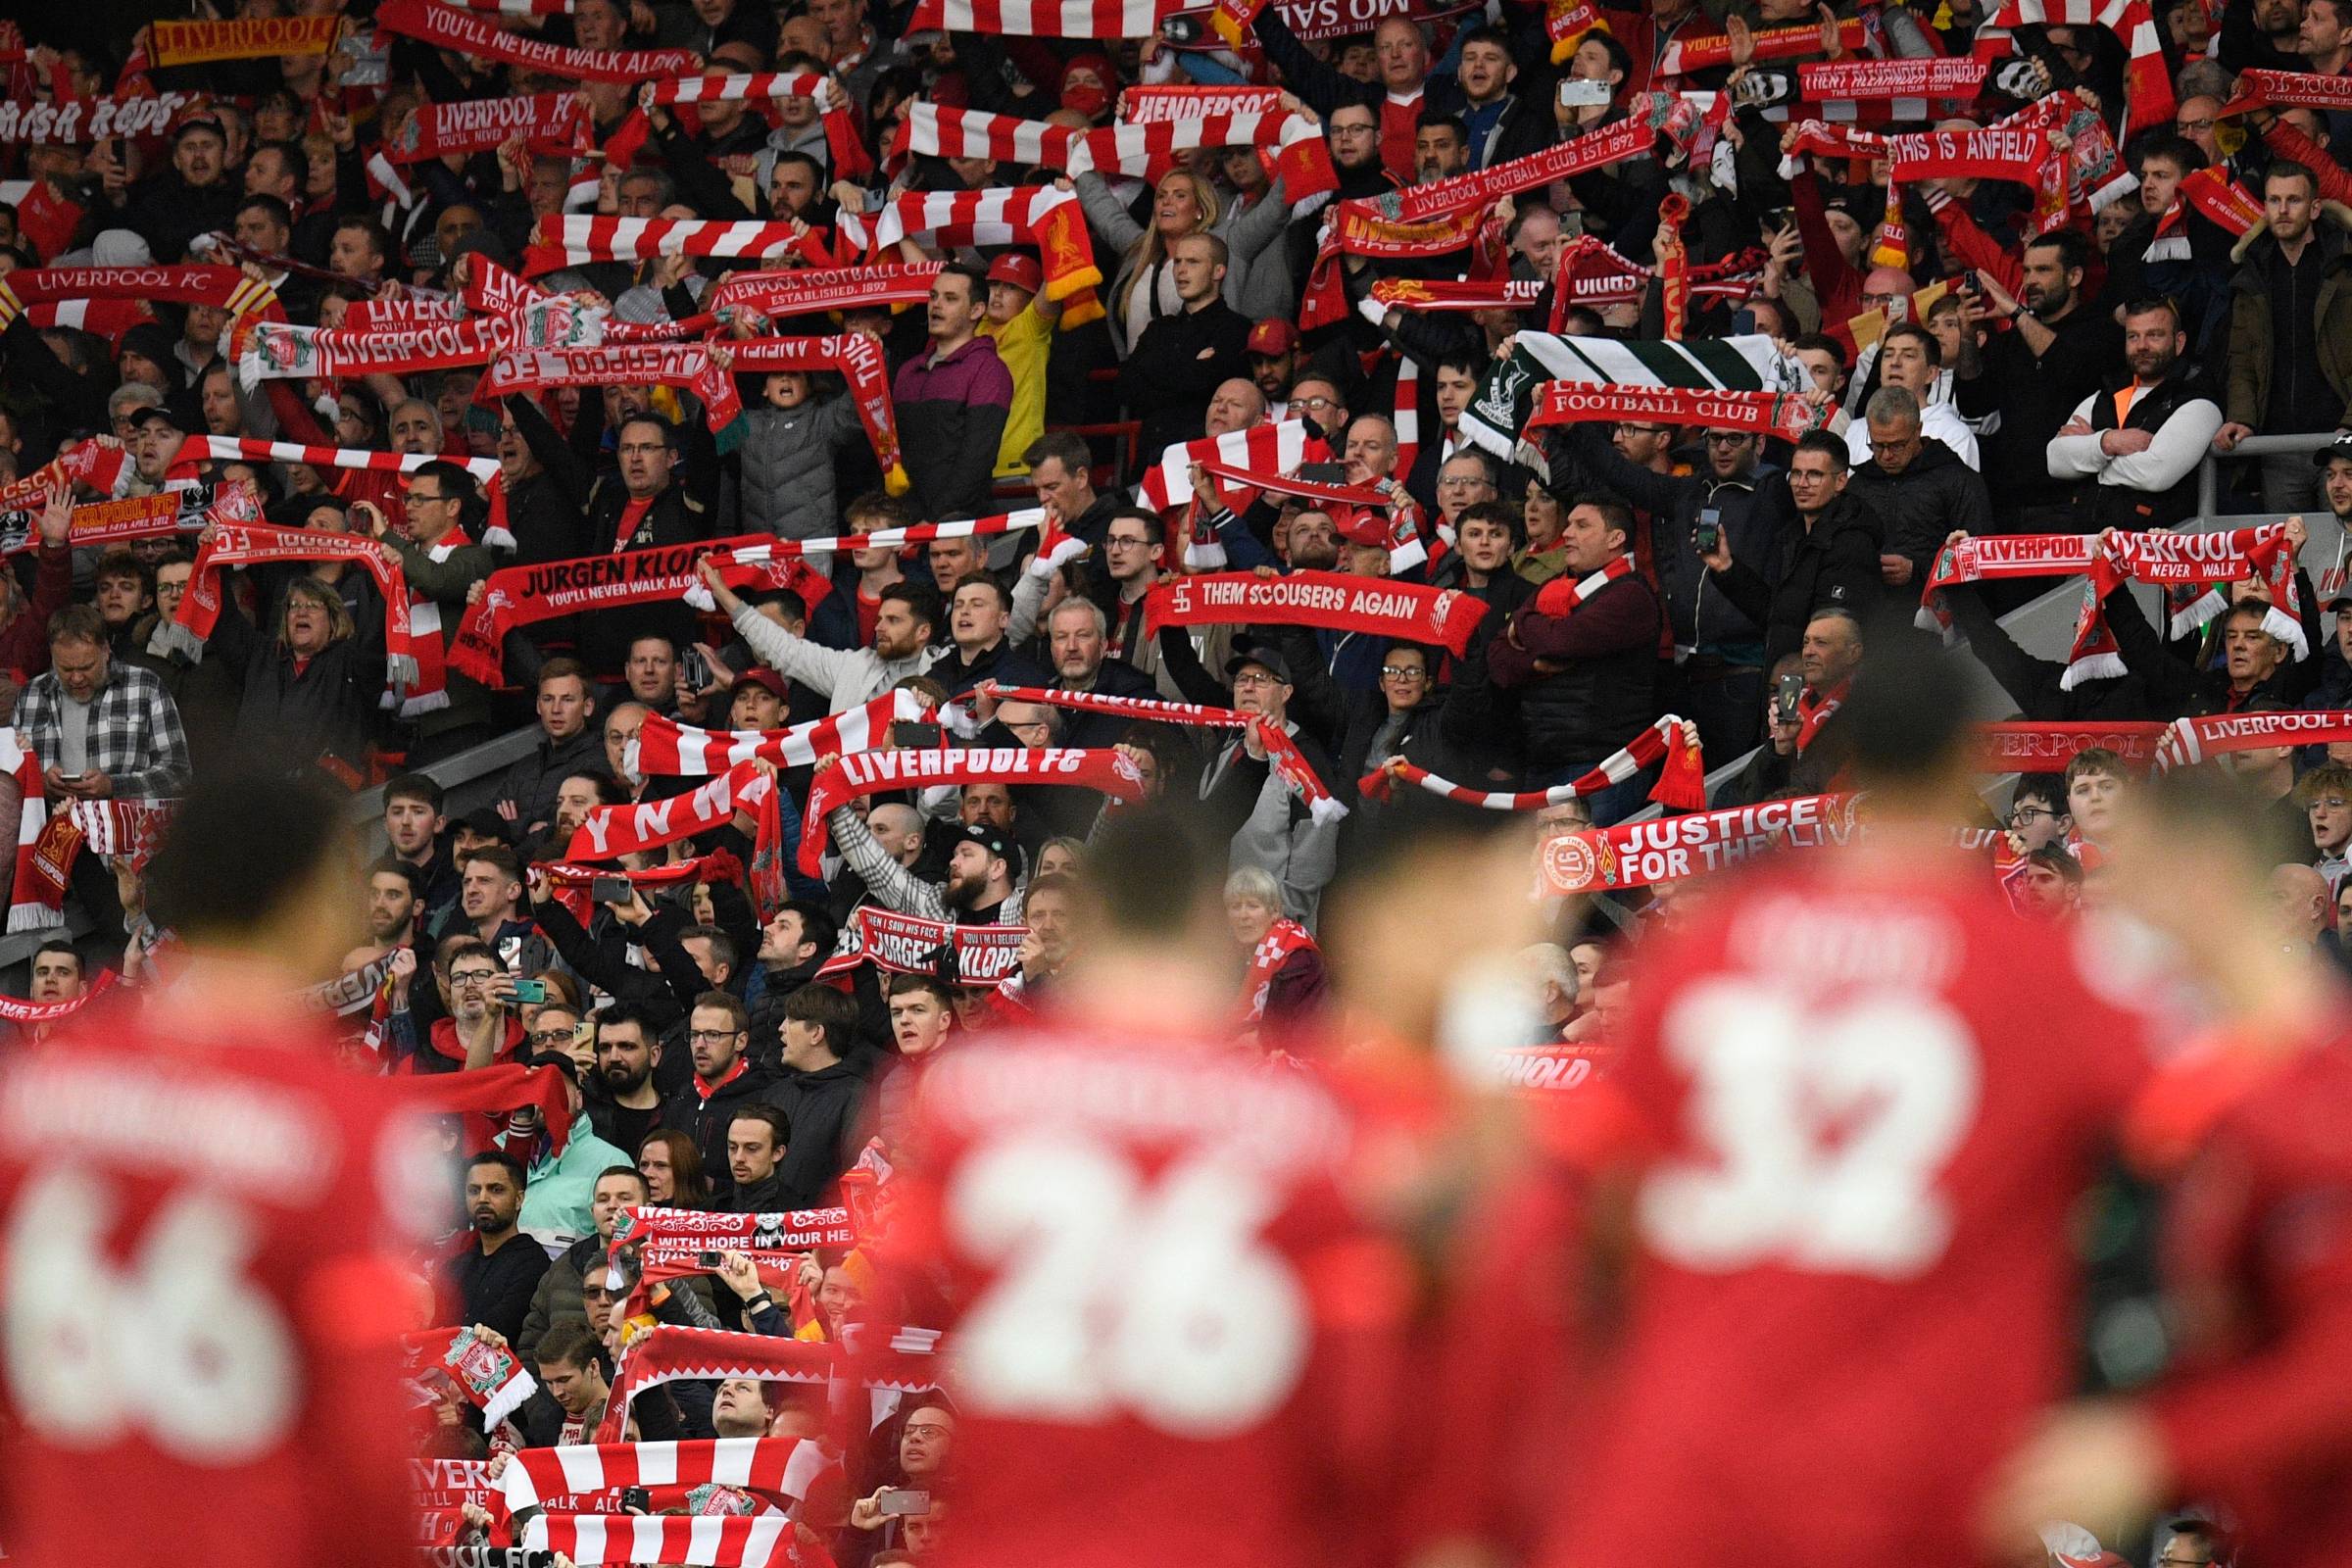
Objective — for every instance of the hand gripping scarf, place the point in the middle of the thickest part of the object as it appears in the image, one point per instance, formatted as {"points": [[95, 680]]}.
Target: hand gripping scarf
{"points": [[514, 597], [780, 558], [1282, 750], [1779, 416], [610, 831], [1039, 216], [2148, 82], [555, 123], [535, 1476], [1283, 938], [1409, 612], [224, 286], [844, 147], [1273, 448], [869, 773], [494, 1091], [448, 29], [668, 1244], [491, 1378], [195, 43], [668, 748], [559, 240], [857, 359], [1682, 786], [1637, 854], [247, 544], [668, 1353], [1045, 19], [908, 944]]}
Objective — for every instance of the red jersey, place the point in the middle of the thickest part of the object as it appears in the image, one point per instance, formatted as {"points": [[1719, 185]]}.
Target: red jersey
{"points": [[195, 1362], [1868, 1097], [2258, 1261], [1170, 1343]]}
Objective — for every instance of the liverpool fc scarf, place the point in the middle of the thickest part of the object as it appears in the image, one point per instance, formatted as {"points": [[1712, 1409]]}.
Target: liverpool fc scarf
{"points": [[845, 149], [84, 122], [1712, 51], [32, 904], [247, 544], [1640, 855], [2187, 742], [706, 1541], [857, 359], [1282, 750], [548, 122], [1778, 416], [224, 286], [667, 1352], [278, 350], [1477, 192], [489, 1376], [1409, 612], [1681, 785], [2025, 747], [244, 449], [804, 291], [1041, 215], [521, 596], [908, 944], [468, 34], [560, 241], [1412, 294], [1283, 938], [195, 43], [665, 748], [1105, 769], [1303, 161], [2148, 82]]}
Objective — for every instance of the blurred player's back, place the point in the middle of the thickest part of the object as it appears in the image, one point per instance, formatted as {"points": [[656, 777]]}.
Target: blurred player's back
{"points": [[198, 1327]]}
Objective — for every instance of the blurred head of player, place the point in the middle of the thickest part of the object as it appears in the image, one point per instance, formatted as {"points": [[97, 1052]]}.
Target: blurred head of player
{"points": [[1150, 898], [255, 876], [569, 1371], [1908, 722]]}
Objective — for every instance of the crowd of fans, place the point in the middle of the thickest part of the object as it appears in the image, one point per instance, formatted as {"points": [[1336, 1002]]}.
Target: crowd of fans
{"points": [[730, 1038]]}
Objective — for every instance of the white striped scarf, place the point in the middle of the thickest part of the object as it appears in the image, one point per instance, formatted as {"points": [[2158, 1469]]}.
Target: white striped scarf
{"points": [[30, 906], [699, 597], [568, 241], [843, 146], [697, 1540], [1506, 394], [1302, 160], [1275, 448], [668, 748], [758, 1464], [428, 690], [667, 1352], [1650, 746], [1005, 215], [244, 449], [2148, 96], [1043, 19]]}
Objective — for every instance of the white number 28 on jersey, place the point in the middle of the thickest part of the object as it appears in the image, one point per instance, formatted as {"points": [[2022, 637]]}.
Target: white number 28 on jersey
{"points": [[1116, 1297], [181, 1346], [1828, 1129]]}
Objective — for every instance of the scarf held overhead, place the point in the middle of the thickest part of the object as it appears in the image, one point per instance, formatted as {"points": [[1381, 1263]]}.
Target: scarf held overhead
{"points": [[666, 749], [447, 29], [1681, 785], [858, 773], [1637, 854], [1324, 599]]}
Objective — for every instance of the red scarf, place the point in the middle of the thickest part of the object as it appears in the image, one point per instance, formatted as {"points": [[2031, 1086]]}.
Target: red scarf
{"points": [[908, 944], [468, 34], [1681, 785], [1639, 854], [1930, 76], [521, 596], [72, 121], [1780, 415], [665, 748], [494, 1089], [611, 831], [27, 1015], [857, 359], [1412, 294], [195, 43], [870, 772], [2289, 90], [1710, 51], [1039, 216], [1282, 750], [548, 122], [2187, 742], [1813, 710], [1045, 19], [804, 291], [246, 543], [2147, 78], [242, 449], [2024, 747], [1283, 938], [1564, 595], [667, 1352], [224, 286], [280, 350], [559, 241], [1376, 607]]}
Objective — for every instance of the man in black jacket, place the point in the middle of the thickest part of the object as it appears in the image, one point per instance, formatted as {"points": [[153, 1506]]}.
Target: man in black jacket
{"points": [[1920, 490], [570, 743], [646, 509], [1077, 636], [1181, 359], [2137, 441], [1824, 550], [724, 1081], [499, 1269], [820, 1094]]}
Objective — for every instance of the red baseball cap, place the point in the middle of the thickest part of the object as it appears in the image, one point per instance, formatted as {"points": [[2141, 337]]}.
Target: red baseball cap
{"points": [[1019, 269], [1273, 337], [767, 681]]}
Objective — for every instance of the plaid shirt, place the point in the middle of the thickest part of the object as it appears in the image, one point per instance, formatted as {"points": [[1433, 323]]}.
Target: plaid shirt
{"points": [[133, 735]]}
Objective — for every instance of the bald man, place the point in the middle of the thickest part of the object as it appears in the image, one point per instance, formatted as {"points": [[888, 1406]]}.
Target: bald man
{"points": [[1236, 405]]}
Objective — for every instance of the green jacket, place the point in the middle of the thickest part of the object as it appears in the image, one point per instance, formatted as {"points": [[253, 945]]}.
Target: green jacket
{"points": [[2248, 398], [555, 1197]]}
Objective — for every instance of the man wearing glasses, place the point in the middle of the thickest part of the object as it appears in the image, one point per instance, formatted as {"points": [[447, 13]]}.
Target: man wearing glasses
{"points": [[718, 1033], [442, 564], [2325, 796], [1918, 487], [645, 508]]}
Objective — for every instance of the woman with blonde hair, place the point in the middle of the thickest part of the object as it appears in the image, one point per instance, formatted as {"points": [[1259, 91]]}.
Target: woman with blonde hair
{"points": [[1144, 289], [311, 687]]}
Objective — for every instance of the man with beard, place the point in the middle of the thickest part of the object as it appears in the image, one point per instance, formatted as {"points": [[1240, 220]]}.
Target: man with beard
{"points": [[725, 1080], [2035, 375], [493, 1277], [1077, 636], [904, 617], [394, 900], [2139, 440], [559, 1195], [647, 509], [622, 1104], [481, 1030]]}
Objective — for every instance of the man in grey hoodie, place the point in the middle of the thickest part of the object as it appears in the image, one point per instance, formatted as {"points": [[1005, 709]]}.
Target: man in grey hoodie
{"points": [[847, 676]]}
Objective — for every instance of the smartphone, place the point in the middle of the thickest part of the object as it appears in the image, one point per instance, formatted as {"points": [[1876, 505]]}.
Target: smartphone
{"points": [[609, 889], [1323, 472], [707, 1260], [1575, 91], [1743, 321], [1784, 695], [534, 991], [1708, 535], [900, 1500], [636, 1500], [694, 671], [914, 734]]}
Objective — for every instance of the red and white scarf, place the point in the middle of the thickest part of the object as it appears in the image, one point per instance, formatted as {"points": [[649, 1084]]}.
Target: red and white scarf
{"points": [[559, 240], [555, 123], [666, 749], [282, 351], [857, 359], [1412, 294], [667, 1353], [2214, 196], [685, 365], [908, 944], [1682, 786], [35, 902], [469, 34], [1041, 215], [82, 122], [705, 1540], [2187, 742], [2289, 90], [490, 1377], [2148, 84], [1591, 274], [1378, 607], [1281, 749], [1105, 769], [1711, 51], [1275, 448], [845, 148], [1045, 19], [224, 286], [1356, 228], [778, 557], [1564, 596], [105, 523], [1480, 189], [246, 543], [1283, 938], [669, 1243], [1781, 415], [611, 831], [87, 463], [804, 291], [2024, 747], [760, 1465], [1640, 855], [513, 597], [1302, 160], [244, 449]]}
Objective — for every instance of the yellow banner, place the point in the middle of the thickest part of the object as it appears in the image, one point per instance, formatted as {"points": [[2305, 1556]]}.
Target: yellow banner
{"points": [[192, 43]]}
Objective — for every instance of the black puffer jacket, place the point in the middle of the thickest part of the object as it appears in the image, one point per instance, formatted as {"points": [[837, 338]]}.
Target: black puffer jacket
{"points": [[1599, 686], [1835, 562], [1934, 494]]}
